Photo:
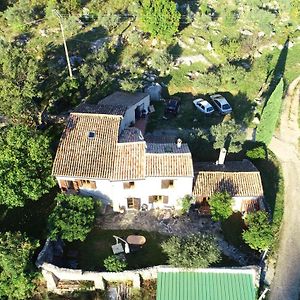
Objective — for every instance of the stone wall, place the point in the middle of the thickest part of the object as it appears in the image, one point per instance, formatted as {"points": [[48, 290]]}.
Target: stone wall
{"points": [[53, 274]]}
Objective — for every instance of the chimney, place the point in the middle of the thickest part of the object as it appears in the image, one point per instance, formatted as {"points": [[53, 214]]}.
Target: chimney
{"points": [[222, 157], [178, 143]]}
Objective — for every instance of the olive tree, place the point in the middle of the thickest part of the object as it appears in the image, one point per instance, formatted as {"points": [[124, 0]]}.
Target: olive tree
{"points": [[194, 251]]}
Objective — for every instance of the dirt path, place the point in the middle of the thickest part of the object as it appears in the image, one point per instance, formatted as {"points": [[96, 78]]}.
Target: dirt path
{"points": [[286, 283]]}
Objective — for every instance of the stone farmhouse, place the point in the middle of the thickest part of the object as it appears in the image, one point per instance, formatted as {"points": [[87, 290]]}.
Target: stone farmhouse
{"points": [[103, 155], [99, 155]]}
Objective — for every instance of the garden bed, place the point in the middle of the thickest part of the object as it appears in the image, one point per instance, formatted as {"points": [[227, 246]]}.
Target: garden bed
{"points": [[97, 247]]}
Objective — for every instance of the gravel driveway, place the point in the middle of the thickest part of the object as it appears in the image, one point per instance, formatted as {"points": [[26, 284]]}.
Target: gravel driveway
{"points": [[286, 283]]}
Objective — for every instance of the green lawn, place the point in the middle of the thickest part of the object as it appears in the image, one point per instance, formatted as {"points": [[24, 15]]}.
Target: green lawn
{"points": [[97, 247]]}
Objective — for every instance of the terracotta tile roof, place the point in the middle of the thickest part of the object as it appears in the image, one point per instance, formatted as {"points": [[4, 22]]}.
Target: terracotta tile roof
{"points": [[79, 156], [239, 184], [129, 161], [103, 157], [169, 165]]}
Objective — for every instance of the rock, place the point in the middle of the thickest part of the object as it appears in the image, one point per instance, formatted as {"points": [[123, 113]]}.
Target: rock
{"points": [[191, 40], [154, 42], [43, 32], [182, 44], [246, 32], [201, 39], [209, 46], [261, 34], [256, 121]]}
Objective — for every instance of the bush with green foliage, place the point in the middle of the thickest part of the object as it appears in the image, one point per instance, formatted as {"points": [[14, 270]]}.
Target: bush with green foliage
{"points": [[228, 134], [220, 206], [25, 166], [16, 276], [185, 203], [72, 218], [260, 234], [194, 251], [160, 18], [270, 115], [114, 264], [257, 153]]}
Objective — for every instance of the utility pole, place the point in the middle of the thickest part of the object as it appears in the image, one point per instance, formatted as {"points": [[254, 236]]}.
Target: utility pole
{"points": [[63, 36]]}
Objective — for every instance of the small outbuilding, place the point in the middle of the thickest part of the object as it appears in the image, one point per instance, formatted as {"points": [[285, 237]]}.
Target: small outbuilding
{"points": [[207, 284]]}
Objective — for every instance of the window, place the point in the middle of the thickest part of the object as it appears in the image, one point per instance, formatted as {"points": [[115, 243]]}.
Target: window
{"points": [[91, 135], [128, 185], [159, 198], [165, 184], [134, 203]]}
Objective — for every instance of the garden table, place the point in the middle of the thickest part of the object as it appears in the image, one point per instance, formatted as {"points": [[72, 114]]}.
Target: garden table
{"points": [[136, 240]]}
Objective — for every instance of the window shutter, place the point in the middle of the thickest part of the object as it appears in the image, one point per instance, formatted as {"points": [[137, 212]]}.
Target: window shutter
{"points": [[63, 185], [93, 184], [165, 199], [151, 199]]}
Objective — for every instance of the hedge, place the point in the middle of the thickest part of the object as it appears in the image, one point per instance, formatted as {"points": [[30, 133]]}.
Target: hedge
{"points": [[270, 115]]}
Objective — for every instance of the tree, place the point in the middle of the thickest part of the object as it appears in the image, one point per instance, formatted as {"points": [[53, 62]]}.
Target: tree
{"points": [[194, 251], [19, 84], [93, 72], [16, 276], [270, 115], [220, 206], [185, 203], [114, 264], [25, 166], [160, 18], [259, 235], [72, 218], [228, 134]]}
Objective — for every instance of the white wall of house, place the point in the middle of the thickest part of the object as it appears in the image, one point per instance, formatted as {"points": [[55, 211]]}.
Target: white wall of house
{"points": [[152, 186], [237, 202], [129, 116], [115, 194]]}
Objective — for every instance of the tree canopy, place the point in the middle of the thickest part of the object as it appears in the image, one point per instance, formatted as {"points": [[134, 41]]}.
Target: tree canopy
{"points": [[228, 134], [160, 18], [259, 235], [72, 218], [19, 84], [220, 206], [16, 276], [25, 166], [194, 251]]}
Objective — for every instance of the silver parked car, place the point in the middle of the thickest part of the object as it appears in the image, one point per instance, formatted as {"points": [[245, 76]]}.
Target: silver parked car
{"points": [[221, 103], [203, 106]]}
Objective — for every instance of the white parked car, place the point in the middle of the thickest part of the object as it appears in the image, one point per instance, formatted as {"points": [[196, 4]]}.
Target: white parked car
{"points": [[221, 103], [203, 106]]}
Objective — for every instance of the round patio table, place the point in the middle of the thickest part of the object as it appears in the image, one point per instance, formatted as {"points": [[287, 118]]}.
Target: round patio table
{"points": [[136, 240]]}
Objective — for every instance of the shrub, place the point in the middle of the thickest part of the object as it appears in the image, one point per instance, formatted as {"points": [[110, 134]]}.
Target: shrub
{"points": [[185, 203], [160, 18], [220, 206], [16, 276], [257, 153], [194, 251], [259, 235], [270, 115], [114, 264]]}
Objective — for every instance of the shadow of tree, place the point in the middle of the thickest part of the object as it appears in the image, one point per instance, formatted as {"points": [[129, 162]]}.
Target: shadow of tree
{"points": [[278, 71]]}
